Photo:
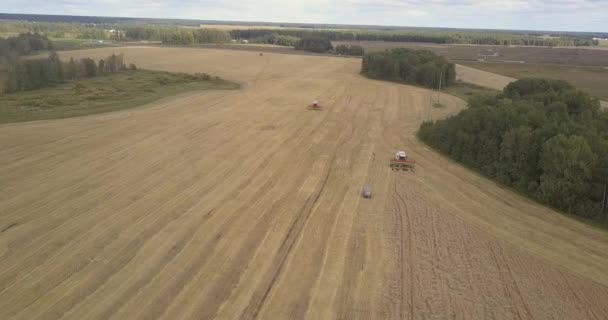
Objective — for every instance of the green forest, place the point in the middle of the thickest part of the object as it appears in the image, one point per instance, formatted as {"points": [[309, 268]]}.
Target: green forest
{"points": [[23, 44], [421, 67], [30, 74], [276, 39], [350, 50], [314, 44], [174, 34], [544, 138]]}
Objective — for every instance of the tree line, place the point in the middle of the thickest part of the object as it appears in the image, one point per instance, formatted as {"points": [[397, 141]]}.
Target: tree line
{"points": [[276, 39], [23, 44], [117, 29], [422, 67], [173, 35], [350, 50], [30, 74], [324, 45], [183, 36], [423, 36], [544, 138], [314, 44]]}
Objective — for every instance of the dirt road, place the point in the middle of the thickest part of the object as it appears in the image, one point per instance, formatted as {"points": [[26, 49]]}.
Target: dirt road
{"points": [[245, 205]]}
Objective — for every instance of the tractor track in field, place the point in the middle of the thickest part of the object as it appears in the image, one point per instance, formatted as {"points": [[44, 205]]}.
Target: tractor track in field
{"points": [[405, 232], [401, 254], [290, 239]]}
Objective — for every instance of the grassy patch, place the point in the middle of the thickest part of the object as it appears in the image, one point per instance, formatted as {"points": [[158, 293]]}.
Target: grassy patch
{"points": [[73, 44], [465, 90], [102, 94], [590, 79]]}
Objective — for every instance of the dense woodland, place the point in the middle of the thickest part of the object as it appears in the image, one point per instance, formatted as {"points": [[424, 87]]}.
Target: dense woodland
{"points": [[314, 44], [173, 35], [194, 36], [350, 50], [30, 74], [544, 138], [276, 39], [420, 67], [23, 44]]}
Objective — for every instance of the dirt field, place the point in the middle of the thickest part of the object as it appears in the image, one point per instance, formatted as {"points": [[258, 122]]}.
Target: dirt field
{"points": [[582, 56], [591, 79], [243, 205], [498, 82], [482, 78]]}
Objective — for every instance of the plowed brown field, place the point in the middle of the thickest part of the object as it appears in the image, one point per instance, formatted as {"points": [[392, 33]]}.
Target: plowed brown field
{"points": [[243, 204]]}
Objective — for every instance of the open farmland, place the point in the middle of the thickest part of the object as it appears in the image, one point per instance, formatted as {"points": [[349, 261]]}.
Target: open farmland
{"points": [[591, 79], [475, 73], [243, 204], [587, 56]]}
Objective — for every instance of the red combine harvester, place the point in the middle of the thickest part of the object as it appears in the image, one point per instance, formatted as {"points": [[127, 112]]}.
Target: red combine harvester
{"points": [[315, 106], [402, 162]]}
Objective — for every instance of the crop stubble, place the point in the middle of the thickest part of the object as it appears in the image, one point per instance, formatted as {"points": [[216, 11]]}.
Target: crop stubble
{"points": [[241, 205]]}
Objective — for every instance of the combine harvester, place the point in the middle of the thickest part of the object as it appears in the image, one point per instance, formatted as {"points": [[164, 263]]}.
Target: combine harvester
{"points": [[315, 106], [402, 162]]}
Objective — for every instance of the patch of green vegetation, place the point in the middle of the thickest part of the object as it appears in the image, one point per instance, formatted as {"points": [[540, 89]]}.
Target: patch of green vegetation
{"points": [[103, 94], [466, 90], [421, 67], [589, 79], [544, 138]]}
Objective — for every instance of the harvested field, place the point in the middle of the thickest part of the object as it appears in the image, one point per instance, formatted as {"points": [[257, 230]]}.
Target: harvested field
{"points": [[589, 56], [471, 74], [594, 80], [243, 205], [482, 78]]}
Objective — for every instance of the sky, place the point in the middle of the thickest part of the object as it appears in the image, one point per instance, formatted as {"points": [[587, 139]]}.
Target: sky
{"points": [[559, 15]]}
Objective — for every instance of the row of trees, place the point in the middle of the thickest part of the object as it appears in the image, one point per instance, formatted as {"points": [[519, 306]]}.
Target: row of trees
{"points": [[424, 36], [421, 67], [314, 44], [117, 29], [30, 74], [542, 137], [276, 39], [58, 29], [350, 50], [23, 44], [181, 36]]}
